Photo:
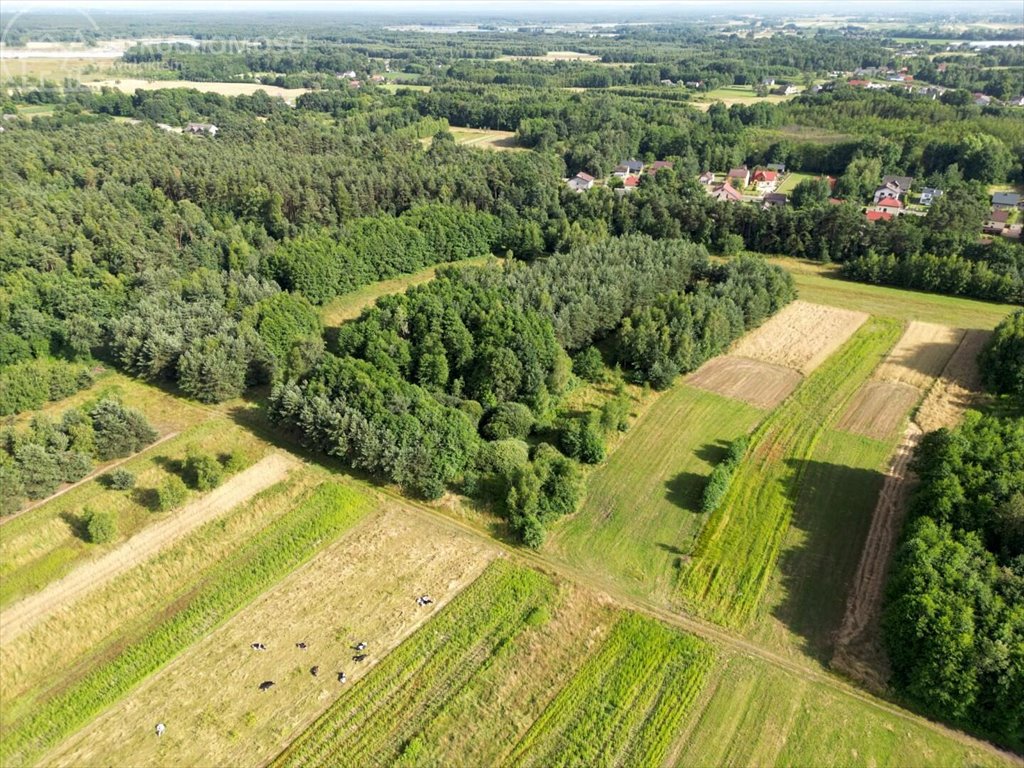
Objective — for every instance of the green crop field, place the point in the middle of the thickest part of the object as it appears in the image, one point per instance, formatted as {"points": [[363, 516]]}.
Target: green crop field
{"points": [[642, 508], [740, 543], [626, 704], [758, 714], [378, 721], [821, 284], [267, 557]]}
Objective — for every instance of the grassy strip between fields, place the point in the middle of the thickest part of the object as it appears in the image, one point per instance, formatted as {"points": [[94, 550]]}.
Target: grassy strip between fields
{"points": [[378, 720], [625, 706], [739, 545], [273, 553]]}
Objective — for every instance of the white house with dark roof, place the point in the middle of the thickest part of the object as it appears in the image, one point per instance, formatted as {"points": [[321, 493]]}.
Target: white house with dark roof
{"points": [[580, 182]]}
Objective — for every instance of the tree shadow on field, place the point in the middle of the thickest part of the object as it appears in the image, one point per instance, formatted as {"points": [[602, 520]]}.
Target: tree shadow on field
{"points": [[713, 453], [79, 528], [832, 510], [685, 489]]}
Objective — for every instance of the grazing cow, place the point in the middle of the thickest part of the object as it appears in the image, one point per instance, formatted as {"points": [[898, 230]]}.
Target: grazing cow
{"points": [[266, 685], [314, 671], [258, 647], [360, 646], [160, 729], [301, 646], [359, 657], [424, 600], [342, 678]]}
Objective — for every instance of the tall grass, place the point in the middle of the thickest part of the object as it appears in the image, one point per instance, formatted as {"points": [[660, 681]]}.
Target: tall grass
{"points": [[739, 545], [625, 706], [276, 551], [378, 720]]}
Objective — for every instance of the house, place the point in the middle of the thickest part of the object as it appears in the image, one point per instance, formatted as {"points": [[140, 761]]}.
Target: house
{"points": [[629, 184], [996, 222], [888, 192], [706, 178], [904, 182], [766, 180], [768, 81], [667, 82], [350, 75], [725, 193], [694, 83], [787, 90], [858, 83], [1005, 200], [878, 216], [628, 168], [777, 167], [659, 165], [889, 205], [199, 128], [580, 182], [773, 199], [929, 195], [355, 83], [377, 79], [739, 175], [981, 100]]}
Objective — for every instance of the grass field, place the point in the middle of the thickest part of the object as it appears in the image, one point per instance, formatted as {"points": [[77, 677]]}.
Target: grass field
{"points": [[792, 179], [739, 544], [821, 284], [641, 511], [625, 705], [737, 94], [377, 722], [757, 714], [361, 588], [266, 558], [349, 306]]}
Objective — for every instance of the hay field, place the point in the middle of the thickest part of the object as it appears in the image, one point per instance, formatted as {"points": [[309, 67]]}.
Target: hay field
{"points": [[760, 384], [801, 336], [878, 408], [130, 85], [920, 355]]}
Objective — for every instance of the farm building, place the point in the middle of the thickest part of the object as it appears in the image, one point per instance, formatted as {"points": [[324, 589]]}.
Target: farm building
{"points": [[580, 182]]}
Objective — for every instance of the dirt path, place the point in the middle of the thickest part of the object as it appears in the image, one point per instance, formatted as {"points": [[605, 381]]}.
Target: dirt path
{"points": [[261, 475], [858, 652], [92, 475]]}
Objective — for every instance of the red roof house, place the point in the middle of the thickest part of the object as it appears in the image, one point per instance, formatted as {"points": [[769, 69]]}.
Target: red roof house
{"points": [[878, 216], [889, 202]]}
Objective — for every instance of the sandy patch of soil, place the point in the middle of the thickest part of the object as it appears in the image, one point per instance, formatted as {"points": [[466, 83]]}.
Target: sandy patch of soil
{"points": [[801, 336], [761, 384]]}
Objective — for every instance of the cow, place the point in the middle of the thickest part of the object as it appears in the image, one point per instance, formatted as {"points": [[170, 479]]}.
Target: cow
{"points": [[314, 671], [342, 678], [266, 685], [160, 728], [301, 646], [359, 657], [258, 647], [424, 600], [360, 646]]}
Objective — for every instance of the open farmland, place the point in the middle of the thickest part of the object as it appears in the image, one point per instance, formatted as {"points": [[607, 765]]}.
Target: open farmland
{"points": [[626, 703], [130, 85], [878, 408], [757, 714], [635, 523], [957, 388], [740, 542], [362, 588], [266, 558], [758, 383], [920, 355], [801, 336]]}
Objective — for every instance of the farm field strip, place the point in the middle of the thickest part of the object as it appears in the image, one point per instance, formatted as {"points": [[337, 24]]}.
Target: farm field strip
{"points": [[740, 542], [755, 382], [270, 555], [878, 408], [625, 705], [78, 638], [957, 388], [800, 336], [375, 721], [41, 546], [920, 355], [130, 85], [633, 525], [237, 490], [362, 588]]}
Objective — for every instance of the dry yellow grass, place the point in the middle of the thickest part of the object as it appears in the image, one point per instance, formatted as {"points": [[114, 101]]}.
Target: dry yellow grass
{"points": [[130, 85], [879, 408], [958, 388], [920, 355], [761, 384], [362, 588], [801, 336]]}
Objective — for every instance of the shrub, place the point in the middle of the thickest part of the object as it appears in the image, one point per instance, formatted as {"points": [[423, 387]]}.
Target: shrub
{"points": [[39, 469], [722, 474], [508, 420], [202, 471], [588, 365], [582, 438], [119, 431], [121, 479], [74, 465], [503, 457], [171, 493], [615, 414], [234, 462], [13, 487], [100, 527]]}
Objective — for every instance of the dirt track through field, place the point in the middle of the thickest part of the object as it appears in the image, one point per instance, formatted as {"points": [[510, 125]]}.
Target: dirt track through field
{"points": [[858, 650], [263, 474], [761, 384]]}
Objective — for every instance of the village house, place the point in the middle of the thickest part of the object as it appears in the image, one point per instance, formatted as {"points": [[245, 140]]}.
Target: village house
{"points": [[787, 90], [580, 182], [1005, 200], [725, 193], [766, 181], [929, 195], [628, 168], [706, 178], [201, 128], [741, 176], [889, 205], [775, 199], [996, 222], [893, 187], [629, 184], [777, 167], [878, 216], [659, 165]]}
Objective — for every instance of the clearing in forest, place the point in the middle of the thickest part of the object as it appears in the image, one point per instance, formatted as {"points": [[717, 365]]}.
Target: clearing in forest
{"points": [[627, 703], [761, 384], [364, 588], [878, 408], [641, 512], [740, 542], [87, 577], [800, 336]]}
